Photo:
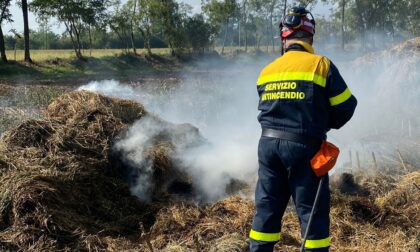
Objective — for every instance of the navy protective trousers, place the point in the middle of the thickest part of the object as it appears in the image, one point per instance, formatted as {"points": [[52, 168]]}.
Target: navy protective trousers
{"points": [[284, 171]]}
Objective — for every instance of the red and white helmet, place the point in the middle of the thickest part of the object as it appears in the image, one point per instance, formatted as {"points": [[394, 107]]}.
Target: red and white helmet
{"points": [[295, 20]]}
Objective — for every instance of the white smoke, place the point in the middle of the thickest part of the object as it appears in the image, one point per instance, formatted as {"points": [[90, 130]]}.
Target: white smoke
{"points": [[134, 146], [223, 105], [386, 119], [224, 108]]}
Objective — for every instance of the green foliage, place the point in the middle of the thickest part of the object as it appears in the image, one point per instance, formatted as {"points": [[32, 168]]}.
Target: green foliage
{"points": [[75, 14], [151, 24], [4, 11], [170, 17], [220, 13], [198, 32]]}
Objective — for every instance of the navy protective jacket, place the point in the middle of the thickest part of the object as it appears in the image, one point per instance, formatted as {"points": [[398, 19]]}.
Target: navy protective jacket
{"points": [[303, 93]]}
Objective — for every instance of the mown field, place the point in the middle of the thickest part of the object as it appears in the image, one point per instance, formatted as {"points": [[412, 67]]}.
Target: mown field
{"points": [[45, 55]]}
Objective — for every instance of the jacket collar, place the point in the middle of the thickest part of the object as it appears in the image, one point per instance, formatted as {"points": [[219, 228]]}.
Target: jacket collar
{"points": [[300, 46]]}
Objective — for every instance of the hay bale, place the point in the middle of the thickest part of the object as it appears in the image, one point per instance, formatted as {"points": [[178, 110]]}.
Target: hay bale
{"points": [[73, 107], [59, 188]]}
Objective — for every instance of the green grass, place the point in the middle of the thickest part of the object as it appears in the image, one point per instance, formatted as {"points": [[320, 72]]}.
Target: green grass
{"points": [[48, 55], [55, 65]]}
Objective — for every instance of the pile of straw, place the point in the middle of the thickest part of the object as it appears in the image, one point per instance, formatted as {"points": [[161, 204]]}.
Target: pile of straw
{"points": [[387, 221], [62, 187]]}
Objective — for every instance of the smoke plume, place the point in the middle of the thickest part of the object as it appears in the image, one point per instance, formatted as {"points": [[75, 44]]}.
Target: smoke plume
{"points": [[223, 107], [222, 103]]}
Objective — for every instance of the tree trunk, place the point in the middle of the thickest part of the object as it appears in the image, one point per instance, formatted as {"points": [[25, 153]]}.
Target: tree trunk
{"points": [[245, 21], [26, 30], [259, 42], [239, 35], [15, 49], [148, 35], [133, 44], [90, 42], [78, 44], [361, 24], [45, 39], [246, 39], [224, 39], [271, 30], [267, 36], [2, 47], [73, 42], [343, 6]]}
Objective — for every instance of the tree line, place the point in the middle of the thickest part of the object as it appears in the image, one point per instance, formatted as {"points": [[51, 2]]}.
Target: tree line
{"points": [[152, 24]]}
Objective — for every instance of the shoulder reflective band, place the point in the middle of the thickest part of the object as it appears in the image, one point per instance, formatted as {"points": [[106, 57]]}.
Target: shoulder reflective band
{"points": [[292, 76], [337, 100], [315, 244], [264, 237]]}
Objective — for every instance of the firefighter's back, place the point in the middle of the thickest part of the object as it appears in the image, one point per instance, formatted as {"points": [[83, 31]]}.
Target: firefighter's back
{"points": [[292, 94]]}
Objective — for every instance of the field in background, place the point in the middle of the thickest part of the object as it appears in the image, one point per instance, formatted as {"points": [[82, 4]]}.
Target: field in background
{"points": [[44, 55], [56, 67]]}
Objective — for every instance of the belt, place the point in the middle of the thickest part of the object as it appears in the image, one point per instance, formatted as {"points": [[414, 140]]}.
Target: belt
{"points": [[266, 132]]}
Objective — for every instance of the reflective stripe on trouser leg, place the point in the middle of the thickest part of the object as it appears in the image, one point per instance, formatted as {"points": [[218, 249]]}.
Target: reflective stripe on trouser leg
{"points": [[315, 244], [271, 197], [264, 237], [304, 184]]}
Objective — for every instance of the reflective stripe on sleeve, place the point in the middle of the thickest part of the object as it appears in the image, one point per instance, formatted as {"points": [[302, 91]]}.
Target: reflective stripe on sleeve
{"points": [[315, 244], [292, 76], [264, 237], [337, 100]]}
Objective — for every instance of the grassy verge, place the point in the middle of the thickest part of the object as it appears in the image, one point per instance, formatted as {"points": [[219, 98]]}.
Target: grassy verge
{"points": [[54, 66]]}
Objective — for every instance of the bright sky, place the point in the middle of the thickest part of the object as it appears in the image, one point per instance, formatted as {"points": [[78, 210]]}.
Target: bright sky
{"points": [[320, 9]]}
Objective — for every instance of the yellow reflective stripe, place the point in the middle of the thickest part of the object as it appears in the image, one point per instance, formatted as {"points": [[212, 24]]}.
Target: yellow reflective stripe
{"points": [[292, 76], [337, 100], [265, 237], [314, 244]]}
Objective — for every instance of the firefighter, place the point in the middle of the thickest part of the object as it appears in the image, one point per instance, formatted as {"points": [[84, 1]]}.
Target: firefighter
{"points": [[302, 96]]}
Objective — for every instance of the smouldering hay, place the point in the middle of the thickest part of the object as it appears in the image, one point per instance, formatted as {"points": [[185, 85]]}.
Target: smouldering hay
{"points": [[165, 179], [357, 222], [59, 187], [75, 107], [399, 207], [370, 224], [198, 228], [32, 133]]}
